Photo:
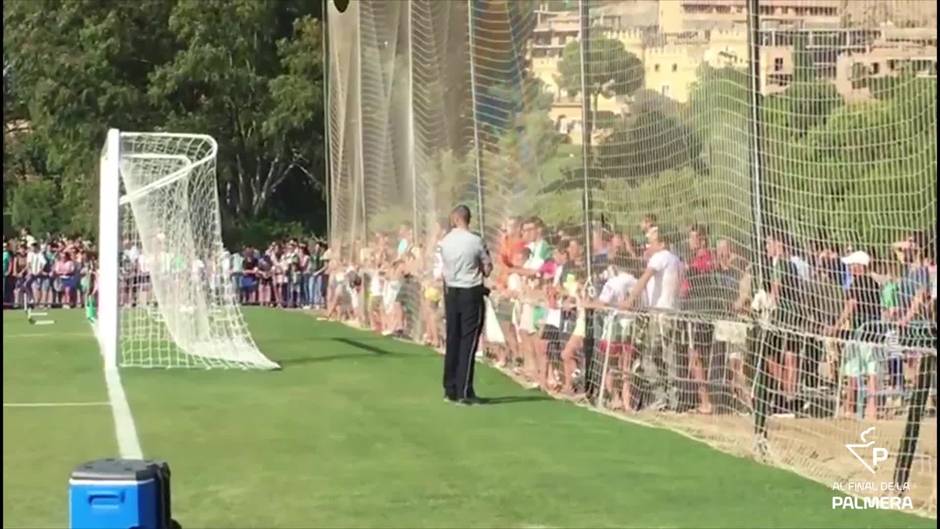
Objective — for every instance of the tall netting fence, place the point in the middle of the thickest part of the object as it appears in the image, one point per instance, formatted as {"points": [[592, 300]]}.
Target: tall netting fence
{"points": [[713, 216]]}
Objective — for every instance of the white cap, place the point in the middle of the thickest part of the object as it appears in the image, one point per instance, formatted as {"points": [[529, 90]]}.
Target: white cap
{"points": [[857, 258]]}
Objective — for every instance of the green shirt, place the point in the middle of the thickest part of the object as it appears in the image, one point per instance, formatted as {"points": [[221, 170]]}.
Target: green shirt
{"points": [[890, 295], [541, 249], [6, 261]]}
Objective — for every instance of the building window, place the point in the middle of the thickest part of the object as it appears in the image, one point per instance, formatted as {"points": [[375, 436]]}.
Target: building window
{"points": [[675, 67], [892, 64], [875, 68], [778, 64], [656, 68], [665, 90]]}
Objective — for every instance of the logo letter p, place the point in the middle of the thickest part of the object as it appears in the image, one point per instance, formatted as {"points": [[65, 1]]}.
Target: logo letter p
{"points": [[878, 455]]}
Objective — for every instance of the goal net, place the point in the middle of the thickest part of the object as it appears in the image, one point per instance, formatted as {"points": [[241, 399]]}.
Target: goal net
{"points": [[784, 159], [166, 297]]}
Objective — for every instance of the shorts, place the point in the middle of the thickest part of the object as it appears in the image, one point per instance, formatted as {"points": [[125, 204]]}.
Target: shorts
{"points": [[580, 326], [375, 303], [432, 295], [776, 342], [526, 319], [613, 348], [353, 297], [701, 334], [555, 342], [71, 281], [504, 311], [859, 359], [393, 298]]}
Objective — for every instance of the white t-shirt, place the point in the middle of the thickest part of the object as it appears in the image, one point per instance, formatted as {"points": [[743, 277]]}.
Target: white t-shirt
{"points": [[514, 283], [390, 294], [617, 289], [132, 254], [662, 290], [143, 263], [932, 274], [376, 284], [35, 262]]}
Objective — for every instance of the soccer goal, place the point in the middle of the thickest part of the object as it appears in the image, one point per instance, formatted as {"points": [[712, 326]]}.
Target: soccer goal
{"points": [[163, 298]]}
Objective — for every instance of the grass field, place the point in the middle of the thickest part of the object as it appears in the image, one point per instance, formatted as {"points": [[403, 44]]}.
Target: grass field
{"points": [[353, 433]]}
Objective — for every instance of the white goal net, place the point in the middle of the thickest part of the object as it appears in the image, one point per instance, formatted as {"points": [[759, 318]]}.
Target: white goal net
{"points": [[166, 299]]}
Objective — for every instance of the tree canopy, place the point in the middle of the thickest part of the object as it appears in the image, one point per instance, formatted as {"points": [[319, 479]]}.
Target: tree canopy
{"points": [[247, 72]]}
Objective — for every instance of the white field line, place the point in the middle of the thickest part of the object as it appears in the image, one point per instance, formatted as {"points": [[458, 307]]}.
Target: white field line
{"points": [[50, 334], [53, 404], [124, 428], [128, 443]]}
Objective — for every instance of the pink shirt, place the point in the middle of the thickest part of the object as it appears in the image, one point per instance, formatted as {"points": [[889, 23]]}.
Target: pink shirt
{"points": [[62, 268]]}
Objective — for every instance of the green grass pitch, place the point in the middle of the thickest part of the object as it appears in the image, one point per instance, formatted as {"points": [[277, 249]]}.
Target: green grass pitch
{"points": [[353, 433]]}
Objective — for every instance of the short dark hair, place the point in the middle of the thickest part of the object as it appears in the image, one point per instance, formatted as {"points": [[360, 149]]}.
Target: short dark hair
{"points": [[462, 212], [664, 237], [700, 230]]}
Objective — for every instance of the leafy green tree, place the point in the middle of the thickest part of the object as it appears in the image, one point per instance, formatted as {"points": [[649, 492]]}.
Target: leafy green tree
{"points": [[80, 66], [247, 72], [32, 206], [647, 144], [221, 81], [612, 70], [838, 181]]}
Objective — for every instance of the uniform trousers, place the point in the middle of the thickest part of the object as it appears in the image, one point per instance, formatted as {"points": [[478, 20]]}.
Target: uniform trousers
{"points": [[464, 311]]}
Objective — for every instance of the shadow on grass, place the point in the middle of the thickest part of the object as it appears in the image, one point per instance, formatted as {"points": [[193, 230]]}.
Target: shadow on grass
{"points": [[364, 350], [513, 399]]}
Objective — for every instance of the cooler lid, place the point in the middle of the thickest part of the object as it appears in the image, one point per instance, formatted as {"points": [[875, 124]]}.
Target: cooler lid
{"points": [[116, 470]]}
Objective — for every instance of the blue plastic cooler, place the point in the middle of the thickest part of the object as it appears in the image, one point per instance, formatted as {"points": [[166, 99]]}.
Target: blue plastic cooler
{"points": [[120, 494]]}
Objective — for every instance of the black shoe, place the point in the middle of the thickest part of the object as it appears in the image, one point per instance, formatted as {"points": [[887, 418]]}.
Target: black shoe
{"points": [[473, 401], [449, 399]]}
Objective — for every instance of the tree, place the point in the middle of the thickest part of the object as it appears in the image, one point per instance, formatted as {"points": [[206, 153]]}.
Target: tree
{"points": [[80, 67], [612, 70], [221, 81], [839, 180], [29, 207], [646, 144], [247, 72]]}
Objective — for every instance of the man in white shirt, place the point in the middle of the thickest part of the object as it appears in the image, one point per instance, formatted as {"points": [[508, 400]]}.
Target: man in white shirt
{"points": [[35, 266], [616, 343], [661, 281], [618, 286]]}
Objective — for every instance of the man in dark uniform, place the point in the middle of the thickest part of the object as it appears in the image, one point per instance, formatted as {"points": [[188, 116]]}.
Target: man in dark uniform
{"points": [[463, 261]]}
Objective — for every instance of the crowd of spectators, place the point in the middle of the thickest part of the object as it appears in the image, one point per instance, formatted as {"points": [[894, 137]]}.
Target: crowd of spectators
{"points": [[54, 271], [666, 307], [661, 307]]}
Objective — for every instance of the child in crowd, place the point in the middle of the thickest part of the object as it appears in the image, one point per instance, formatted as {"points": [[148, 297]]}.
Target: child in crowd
{"points": [[514, 292], [394, 313], [890, 274], [377, 279]]}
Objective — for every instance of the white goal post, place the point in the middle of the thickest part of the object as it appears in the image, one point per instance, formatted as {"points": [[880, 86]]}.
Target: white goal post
{"points": [[165, 298]]}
